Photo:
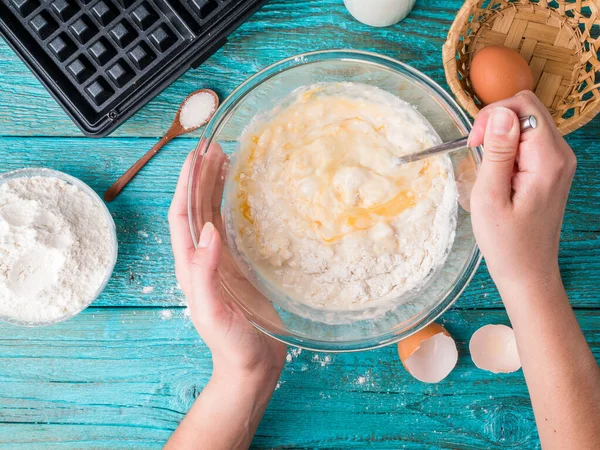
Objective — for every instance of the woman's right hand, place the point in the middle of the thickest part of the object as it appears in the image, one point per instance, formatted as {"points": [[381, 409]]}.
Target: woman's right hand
{"points": [[519, 197], [517, 207]]}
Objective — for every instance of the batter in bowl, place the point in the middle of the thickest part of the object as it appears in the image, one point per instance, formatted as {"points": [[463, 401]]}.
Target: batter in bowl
{"points": [[317, 207]]}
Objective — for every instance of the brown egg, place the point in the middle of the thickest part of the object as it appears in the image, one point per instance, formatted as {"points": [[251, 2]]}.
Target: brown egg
{"points": [[499, 72]]}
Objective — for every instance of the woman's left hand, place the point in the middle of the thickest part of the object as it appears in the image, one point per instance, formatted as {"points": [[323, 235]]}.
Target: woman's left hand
{"points": [[239, 350]]}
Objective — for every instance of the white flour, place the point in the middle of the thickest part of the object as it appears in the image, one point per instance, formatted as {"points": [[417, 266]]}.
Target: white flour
{"points": [[321, 211], [55, 249]]}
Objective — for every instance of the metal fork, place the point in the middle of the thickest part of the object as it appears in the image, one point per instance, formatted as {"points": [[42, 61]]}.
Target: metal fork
{"points": [[527, 123]]}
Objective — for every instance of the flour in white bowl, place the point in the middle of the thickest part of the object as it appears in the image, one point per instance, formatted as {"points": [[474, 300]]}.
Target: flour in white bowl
{"points": [[55, 249], [319, 209]]}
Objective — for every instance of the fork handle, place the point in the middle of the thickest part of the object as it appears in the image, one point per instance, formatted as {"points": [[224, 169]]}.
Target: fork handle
{"points": [[527, 122]]}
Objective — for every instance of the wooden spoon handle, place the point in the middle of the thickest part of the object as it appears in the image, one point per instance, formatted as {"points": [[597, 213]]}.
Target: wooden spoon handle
{"points": [[120, 184]]}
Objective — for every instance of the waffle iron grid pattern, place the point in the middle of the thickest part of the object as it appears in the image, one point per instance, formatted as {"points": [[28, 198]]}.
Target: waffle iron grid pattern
{"points": [[101, 50]]}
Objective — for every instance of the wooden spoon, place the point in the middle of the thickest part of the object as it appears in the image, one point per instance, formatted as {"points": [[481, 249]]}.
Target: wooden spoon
{"points": [[177, 129]]}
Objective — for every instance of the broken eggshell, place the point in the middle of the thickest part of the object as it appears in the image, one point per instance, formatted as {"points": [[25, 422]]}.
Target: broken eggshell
{"points": [[494, 348], [430, 354]]}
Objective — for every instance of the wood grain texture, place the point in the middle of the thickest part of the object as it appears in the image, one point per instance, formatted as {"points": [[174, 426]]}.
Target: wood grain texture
{"points": [[123, 378], [123, 373]]}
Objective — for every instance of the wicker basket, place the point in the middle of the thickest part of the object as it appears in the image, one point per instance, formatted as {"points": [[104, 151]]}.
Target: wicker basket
{"points": [[559, 39]]}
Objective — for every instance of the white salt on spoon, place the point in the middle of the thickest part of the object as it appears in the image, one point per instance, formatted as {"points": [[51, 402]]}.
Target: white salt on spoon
{"points": [[197, 109]]}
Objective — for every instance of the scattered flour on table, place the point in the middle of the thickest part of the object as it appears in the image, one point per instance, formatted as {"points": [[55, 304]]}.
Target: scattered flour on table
{"points": [[366, 379], [322, 360], [55, 249], [166, 314], [293, 354]]}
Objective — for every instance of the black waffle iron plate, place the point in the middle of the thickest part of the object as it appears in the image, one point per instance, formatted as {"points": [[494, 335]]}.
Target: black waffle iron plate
{"points": [[102, 60]]}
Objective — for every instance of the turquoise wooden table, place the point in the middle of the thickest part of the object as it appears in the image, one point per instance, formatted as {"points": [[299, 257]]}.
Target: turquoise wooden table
{"points": [[123, 373]]}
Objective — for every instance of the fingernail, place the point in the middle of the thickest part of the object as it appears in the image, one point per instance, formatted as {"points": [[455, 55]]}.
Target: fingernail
{"points": [[207, 235], [501, 121]]}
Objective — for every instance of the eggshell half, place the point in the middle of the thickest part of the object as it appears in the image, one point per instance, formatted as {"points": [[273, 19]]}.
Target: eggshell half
{"points": [[494, 348], [430, 354]]}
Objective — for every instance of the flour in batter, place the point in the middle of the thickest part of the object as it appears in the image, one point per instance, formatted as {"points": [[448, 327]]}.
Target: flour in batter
{"points": [[317, 207]]}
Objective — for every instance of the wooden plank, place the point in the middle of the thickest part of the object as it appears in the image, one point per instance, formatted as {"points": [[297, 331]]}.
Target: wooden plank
{"points": [[558, 68], [566, 38], [87, 383], [527, 49], [306, 26], [541, 33], [490, 37], [504, 20], [140, 212], [558, 54], [514, 36], [537, 67], [547, 88], [528, 14]]}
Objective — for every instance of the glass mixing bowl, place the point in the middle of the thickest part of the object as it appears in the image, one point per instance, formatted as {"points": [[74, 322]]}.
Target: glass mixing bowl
{"points": [[298, 324]]}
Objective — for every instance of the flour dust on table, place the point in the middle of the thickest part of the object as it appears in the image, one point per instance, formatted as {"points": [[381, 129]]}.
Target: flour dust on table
{"points": [[55, 248], [318, 208]]}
